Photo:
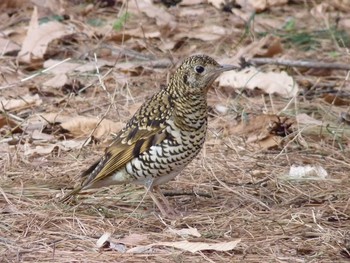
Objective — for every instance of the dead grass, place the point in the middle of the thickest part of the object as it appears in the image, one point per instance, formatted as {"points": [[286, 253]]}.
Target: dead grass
{"points": [[233, 190]]}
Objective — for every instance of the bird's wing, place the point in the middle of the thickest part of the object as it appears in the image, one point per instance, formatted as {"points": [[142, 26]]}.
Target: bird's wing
{"points": [[145, 129]]}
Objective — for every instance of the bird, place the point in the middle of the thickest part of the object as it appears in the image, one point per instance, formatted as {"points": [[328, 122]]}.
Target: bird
{"points": [[164, 135]]}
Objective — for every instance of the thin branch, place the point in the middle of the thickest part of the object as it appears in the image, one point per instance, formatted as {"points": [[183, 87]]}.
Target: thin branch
{"points": [[296, 63]]}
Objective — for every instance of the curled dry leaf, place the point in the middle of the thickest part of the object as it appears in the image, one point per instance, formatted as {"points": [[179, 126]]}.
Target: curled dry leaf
{"points": [[104, 242], [103, 239], [279, 83]]}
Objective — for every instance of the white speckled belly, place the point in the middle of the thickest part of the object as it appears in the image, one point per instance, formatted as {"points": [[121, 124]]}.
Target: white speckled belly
{"points": [[164, 161]]}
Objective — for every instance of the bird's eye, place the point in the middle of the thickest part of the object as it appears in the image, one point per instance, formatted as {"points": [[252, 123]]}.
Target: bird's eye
{"points": [[199, 69]]}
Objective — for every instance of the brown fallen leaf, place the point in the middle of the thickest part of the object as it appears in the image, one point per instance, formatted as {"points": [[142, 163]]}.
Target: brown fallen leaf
{"points": [[39, 36], [335, 100], [162, 17], [4, 121], [279, 83], [81, 126], [263, 131], [267, 46], [269, 142]]}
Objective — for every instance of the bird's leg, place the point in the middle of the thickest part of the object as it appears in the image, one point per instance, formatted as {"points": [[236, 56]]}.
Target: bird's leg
{"points": [[165, 200], [156, 201], [168, 211]]}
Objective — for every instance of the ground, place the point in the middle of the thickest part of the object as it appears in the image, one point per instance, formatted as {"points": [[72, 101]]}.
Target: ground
{"points": [[240, 200]]}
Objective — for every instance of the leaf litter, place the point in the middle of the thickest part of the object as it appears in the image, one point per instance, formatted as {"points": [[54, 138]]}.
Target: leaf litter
{"points": [[271, 184]]}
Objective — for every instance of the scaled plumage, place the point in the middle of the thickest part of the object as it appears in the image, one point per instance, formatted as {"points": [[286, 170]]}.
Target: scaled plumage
{"points": [[163, 136]]}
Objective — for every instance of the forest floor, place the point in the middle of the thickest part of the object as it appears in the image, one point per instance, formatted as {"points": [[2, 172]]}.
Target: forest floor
{"points": [[272, 183]]}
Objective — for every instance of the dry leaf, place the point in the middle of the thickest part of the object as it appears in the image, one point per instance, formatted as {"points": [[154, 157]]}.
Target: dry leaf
{"points": [[39, 36], [268, 142], [65, 145], [185, 232], [132, 239], [103, 242], [80, 126], [40, 136], [22, 102], [4, 121], [279, 83], [259, 5], [257, 125], [189, 246], [162, 17], [205, 33], [267, 46], [303, 118], [259, 131], [8, 46], [57, 81], [103, 239], [40, 150], [335, 100], [307, 172]]}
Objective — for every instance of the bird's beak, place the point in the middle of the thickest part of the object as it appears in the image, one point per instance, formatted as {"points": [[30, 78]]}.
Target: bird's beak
{"points": [[224, 67]]}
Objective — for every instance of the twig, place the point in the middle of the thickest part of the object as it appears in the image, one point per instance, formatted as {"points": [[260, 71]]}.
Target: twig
{"points": [[296, 63], [179, 193], [45, 70]]}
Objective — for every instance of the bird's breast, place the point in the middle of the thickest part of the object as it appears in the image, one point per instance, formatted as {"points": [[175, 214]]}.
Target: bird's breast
{"points": [[170, 156]]}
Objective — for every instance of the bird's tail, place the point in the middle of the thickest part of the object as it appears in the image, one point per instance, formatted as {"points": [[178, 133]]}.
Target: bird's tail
{"points": [[71, 193]]}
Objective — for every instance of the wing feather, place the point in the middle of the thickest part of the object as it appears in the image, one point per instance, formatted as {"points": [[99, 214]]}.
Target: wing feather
{"points": [[145, 129]]}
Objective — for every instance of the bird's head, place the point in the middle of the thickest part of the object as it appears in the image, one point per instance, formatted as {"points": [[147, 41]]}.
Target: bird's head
{"points": [[197, 73]]}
